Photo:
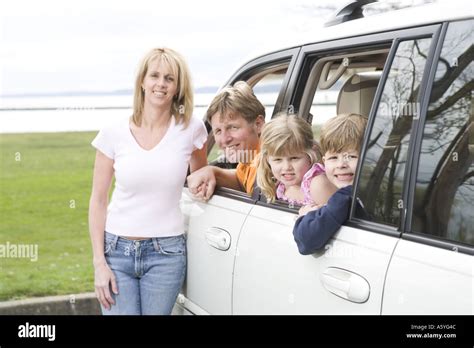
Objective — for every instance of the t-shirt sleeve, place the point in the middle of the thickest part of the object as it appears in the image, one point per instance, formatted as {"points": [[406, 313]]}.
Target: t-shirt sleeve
{"points": [[104, 143], [246, 175], [199, 134]]}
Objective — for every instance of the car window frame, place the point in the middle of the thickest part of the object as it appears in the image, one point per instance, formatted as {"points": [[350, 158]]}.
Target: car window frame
{"points": [[408, 233], [430, 31]]}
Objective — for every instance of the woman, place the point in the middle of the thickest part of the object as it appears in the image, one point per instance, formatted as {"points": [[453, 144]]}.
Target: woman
{"points": [[138, 241]]}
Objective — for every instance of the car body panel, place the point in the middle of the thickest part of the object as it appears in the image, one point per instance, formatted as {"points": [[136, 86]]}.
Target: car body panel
{"points": [[271, 277], [428, 280]]}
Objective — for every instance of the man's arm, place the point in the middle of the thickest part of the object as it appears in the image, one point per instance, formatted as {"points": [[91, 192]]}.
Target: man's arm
{"points": [[312, 231], [202, 182], [227, 178]]}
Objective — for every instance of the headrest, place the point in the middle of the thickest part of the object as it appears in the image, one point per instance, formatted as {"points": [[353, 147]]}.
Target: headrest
{"points": [[357, 93]]}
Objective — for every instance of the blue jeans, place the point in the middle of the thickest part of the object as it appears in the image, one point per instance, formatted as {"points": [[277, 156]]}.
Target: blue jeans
{"points": [[149, 273]]}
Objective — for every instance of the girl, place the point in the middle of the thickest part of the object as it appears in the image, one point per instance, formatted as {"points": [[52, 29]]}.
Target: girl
{"points": [[288, 168]]}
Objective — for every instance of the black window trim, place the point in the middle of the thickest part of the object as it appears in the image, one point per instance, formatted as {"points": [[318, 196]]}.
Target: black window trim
{"points": [[278, 205], [234, 194], [424, 85], [418, 132]]}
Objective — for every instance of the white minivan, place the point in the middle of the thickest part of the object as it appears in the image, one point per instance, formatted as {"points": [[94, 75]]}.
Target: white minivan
{"points": [[411, 72]]}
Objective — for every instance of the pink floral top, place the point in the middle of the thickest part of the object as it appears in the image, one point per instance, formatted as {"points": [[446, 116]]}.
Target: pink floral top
{"points": [[315, 170]]}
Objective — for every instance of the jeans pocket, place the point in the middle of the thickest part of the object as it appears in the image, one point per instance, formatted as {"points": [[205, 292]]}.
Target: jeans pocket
{"points": [[173, 246]]}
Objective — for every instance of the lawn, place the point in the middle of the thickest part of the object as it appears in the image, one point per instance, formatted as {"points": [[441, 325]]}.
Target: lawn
{"points": [[45, 184]]}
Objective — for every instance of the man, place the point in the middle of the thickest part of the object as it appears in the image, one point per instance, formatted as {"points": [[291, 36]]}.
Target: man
{"points": [[236, 117]]}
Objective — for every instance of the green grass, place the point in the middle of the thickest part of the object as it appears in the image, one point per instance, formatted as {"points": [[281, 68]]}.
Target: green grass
{"points": [[45, 184]]}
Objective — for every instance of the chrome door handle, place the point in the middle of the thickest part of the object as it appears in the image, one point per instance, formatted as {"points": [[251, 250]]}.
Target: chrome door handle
{"points": [[345, 284], [218, 238]]}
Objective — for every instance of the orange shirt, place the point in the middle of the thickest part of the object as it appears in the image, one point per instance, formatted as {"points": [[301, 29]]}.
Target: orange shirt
{"points": [[247, 173]]}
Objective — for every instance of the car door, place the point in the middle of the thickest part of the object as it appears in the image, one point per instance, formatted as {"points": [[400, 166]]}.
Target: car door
{"points": [[348, 276], [432, 269], [213, 228]]}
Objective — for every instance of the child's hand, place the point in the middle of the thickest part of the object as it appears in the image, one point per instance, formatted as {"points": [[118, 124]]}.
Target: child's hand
{"points": [[307, 208]]}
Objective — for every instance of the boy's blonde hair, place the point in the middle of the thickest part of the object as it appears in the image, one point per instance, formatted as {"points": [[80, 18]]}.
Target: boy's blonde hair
{"points": [[237, 98], [182, 107], [284, 135], [342, 133]]}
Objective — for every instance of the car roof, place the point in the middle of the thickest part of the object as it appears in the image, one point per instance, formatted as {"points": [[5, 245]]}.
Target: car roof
{"points": [[442, 11]]}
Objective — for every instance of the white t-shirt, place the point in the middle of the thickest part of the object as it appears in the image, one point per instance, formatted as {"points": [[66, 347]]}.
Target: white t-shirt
{"points": [[148, 183]]}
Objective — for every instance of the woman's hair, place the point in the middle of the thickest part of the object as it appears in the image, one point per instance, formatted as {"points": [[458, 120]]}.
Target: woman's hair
{"points": [[238, 98], [343, 132], [284, 135], [182, 106]]}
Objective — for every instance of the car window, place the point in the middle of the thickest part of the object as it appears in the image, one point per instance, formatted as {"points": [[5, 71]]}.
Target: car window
{"points": [[267, 89], [444, 196], [325, 89], [340, 82], [325, 101], [382, 172]]}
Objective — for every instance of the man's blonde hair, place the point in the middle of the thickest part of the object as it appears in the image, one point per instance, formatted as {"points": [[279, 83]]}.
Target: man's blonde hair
{"points": [[342, 133], [284, 135], [182, 107], [238, 98]]}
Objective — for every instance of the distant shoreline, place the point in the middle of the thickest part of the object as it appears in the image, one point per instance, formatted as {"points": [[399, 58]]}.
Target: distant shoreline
{"points": [[271, 88], [209, 89]]}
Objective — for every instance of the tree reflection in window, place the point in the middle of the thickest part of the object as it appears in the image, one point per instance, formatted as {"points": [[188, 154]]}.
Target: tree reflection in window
{"points": [[382, 174], [444, 197]]}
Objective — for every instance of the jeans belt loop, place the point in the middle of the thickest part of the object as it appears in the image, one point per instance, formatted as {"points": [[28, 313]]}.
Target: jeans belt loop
{"points": [[155, 244], [114, 242]]}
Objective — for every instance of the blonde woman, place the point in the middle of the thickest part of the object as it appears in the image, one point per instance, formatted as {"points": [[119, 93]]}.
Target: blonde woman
{"points": [[288, 168], [138, 239]]}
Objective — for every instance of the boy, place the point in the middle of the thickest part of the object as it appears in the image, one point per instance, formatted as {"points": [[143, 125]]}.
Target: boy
{"points": [[341, 138]]}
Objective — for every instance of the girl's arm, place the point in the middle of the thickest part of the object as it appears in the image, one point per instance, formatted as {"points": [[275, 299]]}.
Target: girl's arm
{"points": [[103, 173], [321, 189]]}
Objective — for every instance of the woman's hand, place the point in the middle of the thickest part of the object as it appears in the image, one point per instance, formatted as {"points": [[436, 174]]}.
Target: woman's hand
{"points": [[103, 277]]}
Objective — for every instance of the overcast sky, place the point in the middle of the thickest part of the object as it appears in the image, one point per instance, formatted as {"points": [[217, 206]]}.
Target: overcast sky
{"points": [[49, 46], [95, 45]]}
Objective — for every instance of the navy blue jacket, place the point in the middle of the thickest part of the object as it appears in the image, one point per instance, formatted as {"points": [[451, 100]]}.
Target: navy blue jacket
{"points": [[313, 230]]}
